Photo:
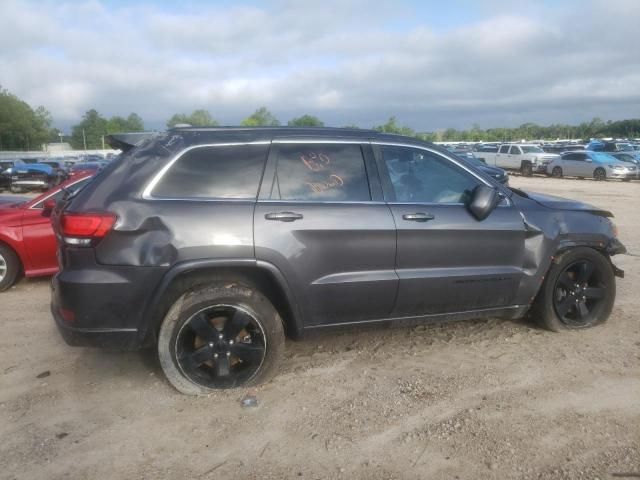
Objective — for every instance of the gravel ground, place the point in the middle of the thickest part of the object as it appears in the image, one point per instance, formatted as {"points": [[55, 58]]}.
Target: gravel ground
{"points": [[472, 400]]}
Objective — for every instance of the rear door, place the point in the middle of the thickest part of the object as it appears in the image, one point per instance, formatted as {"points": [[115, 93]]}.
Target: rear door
{"points": [[321, 220], [447, 261]]}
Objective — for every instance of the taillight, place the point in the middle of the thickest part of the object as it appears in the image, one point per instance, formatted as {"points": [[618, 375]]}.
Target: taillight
{"points": [[85, 229]]}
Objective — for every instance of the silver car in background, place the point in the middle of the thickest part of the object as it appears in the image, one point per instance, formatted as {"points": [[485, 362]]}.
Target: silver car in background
{"points": [[589, 164]]}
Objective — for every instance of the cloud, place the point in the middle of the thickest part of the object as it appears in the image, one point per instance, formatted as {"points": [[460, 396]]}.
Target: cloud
{"points": [[495, 63]]}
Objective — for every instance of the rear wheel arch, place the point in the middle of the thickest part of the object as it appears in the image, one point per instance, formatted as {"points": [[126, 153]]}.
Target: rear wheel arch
{"points": [[263, 277]]}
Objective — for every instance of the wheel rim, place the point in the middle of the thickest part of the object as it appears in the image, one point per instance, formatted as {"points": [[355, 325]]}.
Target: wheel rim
{"points": [[3, 268], [599, 174], [579, 294], [557, 172], [221, 346]]}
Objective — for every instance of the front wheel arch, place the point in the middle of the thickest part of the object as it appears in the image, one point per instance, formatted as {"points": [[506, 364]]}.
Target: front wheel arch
{"points": [[543, 310]]}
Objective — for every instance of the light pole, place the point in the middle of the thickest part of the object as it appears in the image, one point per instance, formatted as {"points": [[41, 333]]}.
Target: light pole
{"points": [[60, 134]]}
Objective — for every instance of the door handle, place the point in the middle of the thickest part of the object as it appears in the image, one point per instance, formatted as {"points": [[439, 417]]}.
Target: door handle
{"points": [[283, 216], [418, 217]]}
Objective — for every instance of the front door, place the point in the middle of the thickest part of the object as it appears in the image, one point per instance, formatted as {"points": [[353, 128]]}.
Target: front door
{"points": [[39, 240], [325, 226], [447, 261]]}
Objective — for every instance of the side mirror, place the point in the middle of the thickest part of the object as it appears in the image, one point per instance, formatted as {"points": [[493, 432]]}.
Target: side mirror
{"points": [[483, 201], [48, 206]]}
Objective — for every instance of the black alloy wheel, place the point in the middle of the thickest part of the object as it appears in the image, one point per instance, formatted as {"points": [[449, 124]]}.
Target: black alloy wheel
{"points": [[221, 346], [579, 294]]}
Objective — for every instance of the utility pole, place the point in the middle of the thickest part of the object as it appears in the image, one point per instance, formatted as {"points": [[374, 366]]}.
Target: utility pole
{"points": [[84, 140]]}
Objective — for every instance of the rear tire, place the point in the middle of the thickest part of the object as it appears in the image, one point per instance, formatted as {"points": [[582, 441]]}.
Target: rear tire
{"points": [[204, 344], [578, 292], [9, 267]]}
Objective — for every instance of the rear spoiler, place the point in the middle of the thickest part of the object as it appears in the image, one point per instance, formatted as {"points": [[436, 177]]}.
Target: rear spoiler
{"points": [[127, 141]]}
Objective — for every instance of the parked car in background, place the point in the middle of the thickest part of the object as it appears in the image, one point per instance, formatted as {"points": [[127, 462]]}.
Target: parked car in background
{"points": [[211, 243], [598, 146], [33, 176], [525, 158], [27, 241], [85, 168], [480, 150], [464, 151], [561, 147], [6, 167], [60, 168], [591, 164], [497, 173]]}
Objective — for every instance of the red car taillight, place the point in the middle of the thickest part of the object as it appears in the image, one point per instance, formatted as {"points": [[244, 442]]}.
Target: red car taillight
{"points": [[85, 228]]}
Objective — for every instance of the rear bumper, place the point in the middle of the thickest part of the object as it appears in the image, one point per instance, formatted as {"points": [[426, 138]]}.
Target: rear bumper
{"points": [[121, 339], [102, 306]]}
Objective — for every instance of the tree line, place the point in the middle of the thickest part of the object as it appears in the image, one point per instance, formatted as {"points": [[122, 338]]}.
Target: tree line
{"points": [[25, 128]]}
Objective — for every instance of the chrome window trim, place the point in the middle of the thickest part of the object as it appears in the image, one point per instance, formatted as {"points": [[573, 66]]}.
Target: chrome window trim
{"points": [[147, 192], [33, 207]]}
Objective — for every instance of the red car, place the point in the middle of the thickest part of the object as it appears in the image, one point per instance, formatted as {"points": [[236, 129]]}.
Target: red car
{"points": [[27, 241], [85, 168]]}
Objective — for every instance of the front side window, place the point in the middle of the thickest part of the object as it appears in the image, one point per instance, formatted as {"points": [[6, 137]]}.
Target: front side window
{"points": [[225, 172], [572, 156], [425, 177], [322, 172], [504, 149]]}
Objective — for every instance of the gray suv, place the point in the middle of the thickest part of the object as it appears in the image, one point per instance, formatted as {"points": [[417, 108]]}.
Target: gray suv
{"points": [[211, 244]]}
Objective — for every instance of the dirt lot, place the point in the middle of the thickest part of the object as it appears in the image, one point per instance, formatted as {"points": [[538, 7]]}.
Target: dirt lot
{"points": [[484, 399]]}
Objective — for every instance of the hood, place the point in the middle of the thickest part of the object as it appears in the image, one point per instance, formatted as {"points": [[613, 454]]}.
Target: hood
{"points": [[559, 203]]}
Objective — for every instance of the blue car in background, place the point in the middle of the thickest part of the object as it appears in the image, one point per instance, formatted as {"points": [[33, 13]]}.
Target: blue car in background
{"points": [[33, 176]]}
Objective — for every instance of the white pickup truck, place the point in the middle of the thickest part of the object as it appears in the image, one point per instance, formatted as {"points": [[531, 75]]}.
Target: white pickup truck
{"points": [[528, 159]]}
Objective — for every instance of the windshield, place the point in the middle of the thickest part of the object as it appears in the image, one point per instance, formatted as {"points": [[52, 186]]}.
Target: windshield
{"points": [[526, 149]]}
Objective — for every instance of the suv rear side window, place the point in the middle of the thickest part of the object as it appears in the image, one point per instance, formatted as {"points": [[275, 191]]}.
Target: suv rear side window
{"points": [[424, 177], [323, 172], [215, 172]]}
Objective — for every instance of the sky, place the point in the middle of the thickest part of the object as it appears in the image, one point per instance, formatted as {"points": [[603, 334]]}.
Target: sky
{"points": [[432, 64]]}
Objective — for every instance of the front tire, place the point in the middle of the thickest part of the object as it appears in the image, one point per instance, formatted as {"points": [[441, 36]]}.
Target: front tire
{"points": [[578, 292], [556, 172], [526, 169], [9, 268], [600, 175], [223, 335]]}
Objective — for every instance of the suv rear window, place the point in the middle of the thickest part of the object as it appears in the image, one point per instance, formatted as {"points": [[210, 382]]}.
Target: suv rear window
{"points": [[215, 172], [323, 172]]}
